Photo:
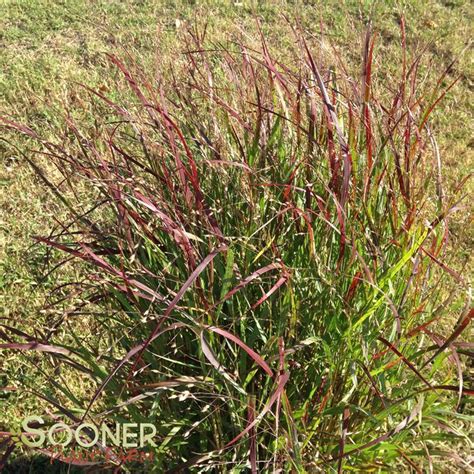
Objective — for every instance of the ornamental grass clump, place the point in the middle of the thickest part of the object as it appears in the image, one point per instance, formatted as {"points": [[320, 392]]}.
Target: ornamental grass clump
{"points": [[263, 239]]}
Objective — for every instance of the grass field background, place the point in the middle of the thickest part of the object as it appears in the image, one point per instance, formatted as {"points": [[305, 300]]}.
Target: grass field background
{"points": [[50, 46]]}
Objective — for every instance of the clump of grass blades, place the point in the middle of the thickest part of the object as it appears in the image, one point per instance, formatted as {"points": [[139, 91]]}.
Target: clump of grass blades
{"points": [[257, 234]]}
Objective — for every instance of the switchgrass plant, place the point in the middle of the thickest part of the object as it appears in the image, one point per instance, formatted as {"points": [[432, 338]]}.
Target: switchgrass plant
{"points": [[263, 248]]}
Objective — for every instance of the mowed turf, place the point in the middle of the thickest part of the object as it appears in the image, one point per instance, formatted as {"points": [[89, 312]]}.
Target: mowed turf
{"points": [[47, 46]]}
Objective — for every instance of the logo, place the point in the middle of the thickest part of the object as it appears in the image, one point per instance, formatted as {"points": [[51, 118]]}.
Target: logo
{"points": [[120, 442]]}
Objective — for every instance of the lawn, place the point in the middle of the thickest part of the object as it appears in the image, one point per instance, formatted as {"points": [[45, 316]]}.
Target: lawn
{"points": [[51, 48]]}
